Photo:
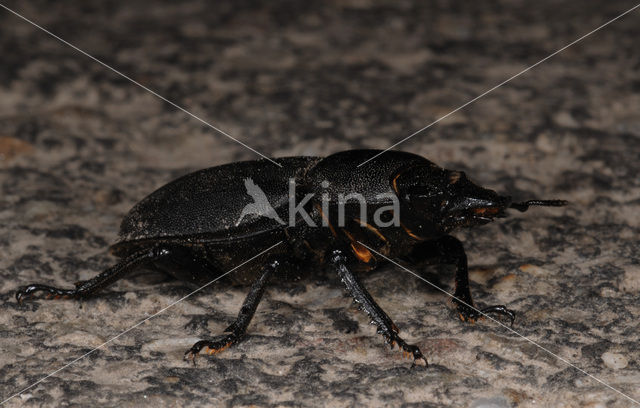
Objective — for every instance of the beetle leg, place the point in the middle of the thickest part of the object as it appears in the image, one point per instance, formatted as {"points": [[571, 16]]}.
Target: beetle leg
{"points": [[449, 250], [238, 328], [385, 326], [89, 287]]}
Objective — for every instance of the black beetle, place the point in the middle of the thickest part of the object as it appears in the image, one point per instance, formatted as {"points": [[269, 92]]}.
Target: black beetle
{"points": [[202, 224]]}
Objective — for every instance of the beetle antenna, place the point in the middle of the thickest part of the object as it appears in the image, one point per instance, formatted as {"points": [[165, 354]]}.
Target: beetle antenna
{"points": [[524, 206]]}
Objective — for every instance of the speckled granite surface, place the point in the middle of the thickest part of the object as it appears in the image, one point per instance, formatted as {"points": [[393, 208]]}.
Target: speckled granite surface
{"points": [[80, 145]]}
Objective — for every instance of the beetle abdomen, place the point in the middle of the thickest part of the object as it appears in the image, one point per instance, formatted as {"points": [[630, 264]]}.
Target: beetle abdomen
{"points": [[211, 202]]}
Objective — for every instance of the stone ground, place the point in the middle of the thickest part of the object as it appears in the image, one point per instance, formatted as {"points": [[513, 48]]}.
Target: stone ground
{"points": [[80, 145]]}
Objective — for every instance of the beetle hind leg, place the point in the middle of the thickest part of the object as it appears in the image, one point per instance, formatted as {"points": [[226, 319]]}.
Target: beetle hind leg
{"points": [[236, 331], [385, 325], [89, 287]]}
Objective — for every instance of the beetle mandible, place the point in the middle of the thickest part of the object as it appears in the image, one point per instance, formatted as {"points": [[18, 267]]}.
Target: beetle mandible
{"points": [[197, 227]]}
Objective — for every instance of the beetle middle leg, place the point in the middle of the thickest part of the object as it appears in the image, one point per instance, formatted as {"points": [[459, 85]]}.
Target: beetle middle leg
{"points": [[449, 250], [340, 260], [237, 329]]}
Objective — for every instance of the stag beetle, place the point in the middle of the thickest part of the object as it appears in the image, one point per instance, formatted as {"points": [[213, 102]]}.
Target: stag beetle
{"points": [[202, 224]]}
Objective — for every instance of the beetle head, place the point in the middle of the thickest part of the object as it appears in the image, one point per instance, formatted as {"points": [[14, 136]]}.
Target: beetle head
{"points": [[442, 199], [447, 199]]}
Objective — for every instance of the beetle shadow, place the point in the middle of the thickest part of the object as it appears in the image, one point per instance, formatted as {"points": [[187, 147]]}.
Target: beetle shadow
{"points": [[168, 285], [440, 275]]}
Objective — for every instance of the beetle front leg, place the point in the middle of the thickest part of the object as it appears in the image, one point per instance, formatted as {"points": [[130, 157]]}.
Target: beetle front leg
{"points": [[237, 329], [340, 260], [104, 279], [449, 250]]}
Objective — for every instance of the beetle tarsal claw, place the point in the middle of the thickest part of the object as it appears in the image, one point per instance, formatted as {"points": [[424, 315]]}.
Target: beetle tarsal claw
{"points": [[410, 351], [190, 355], [419, 361]]}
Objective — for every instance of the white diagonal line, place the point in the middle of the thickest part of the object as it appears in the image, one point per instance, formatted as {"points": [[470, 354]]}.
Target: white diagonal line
{"points": [[175, 105], [500, 84], [503, 325], [139, 323]]}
